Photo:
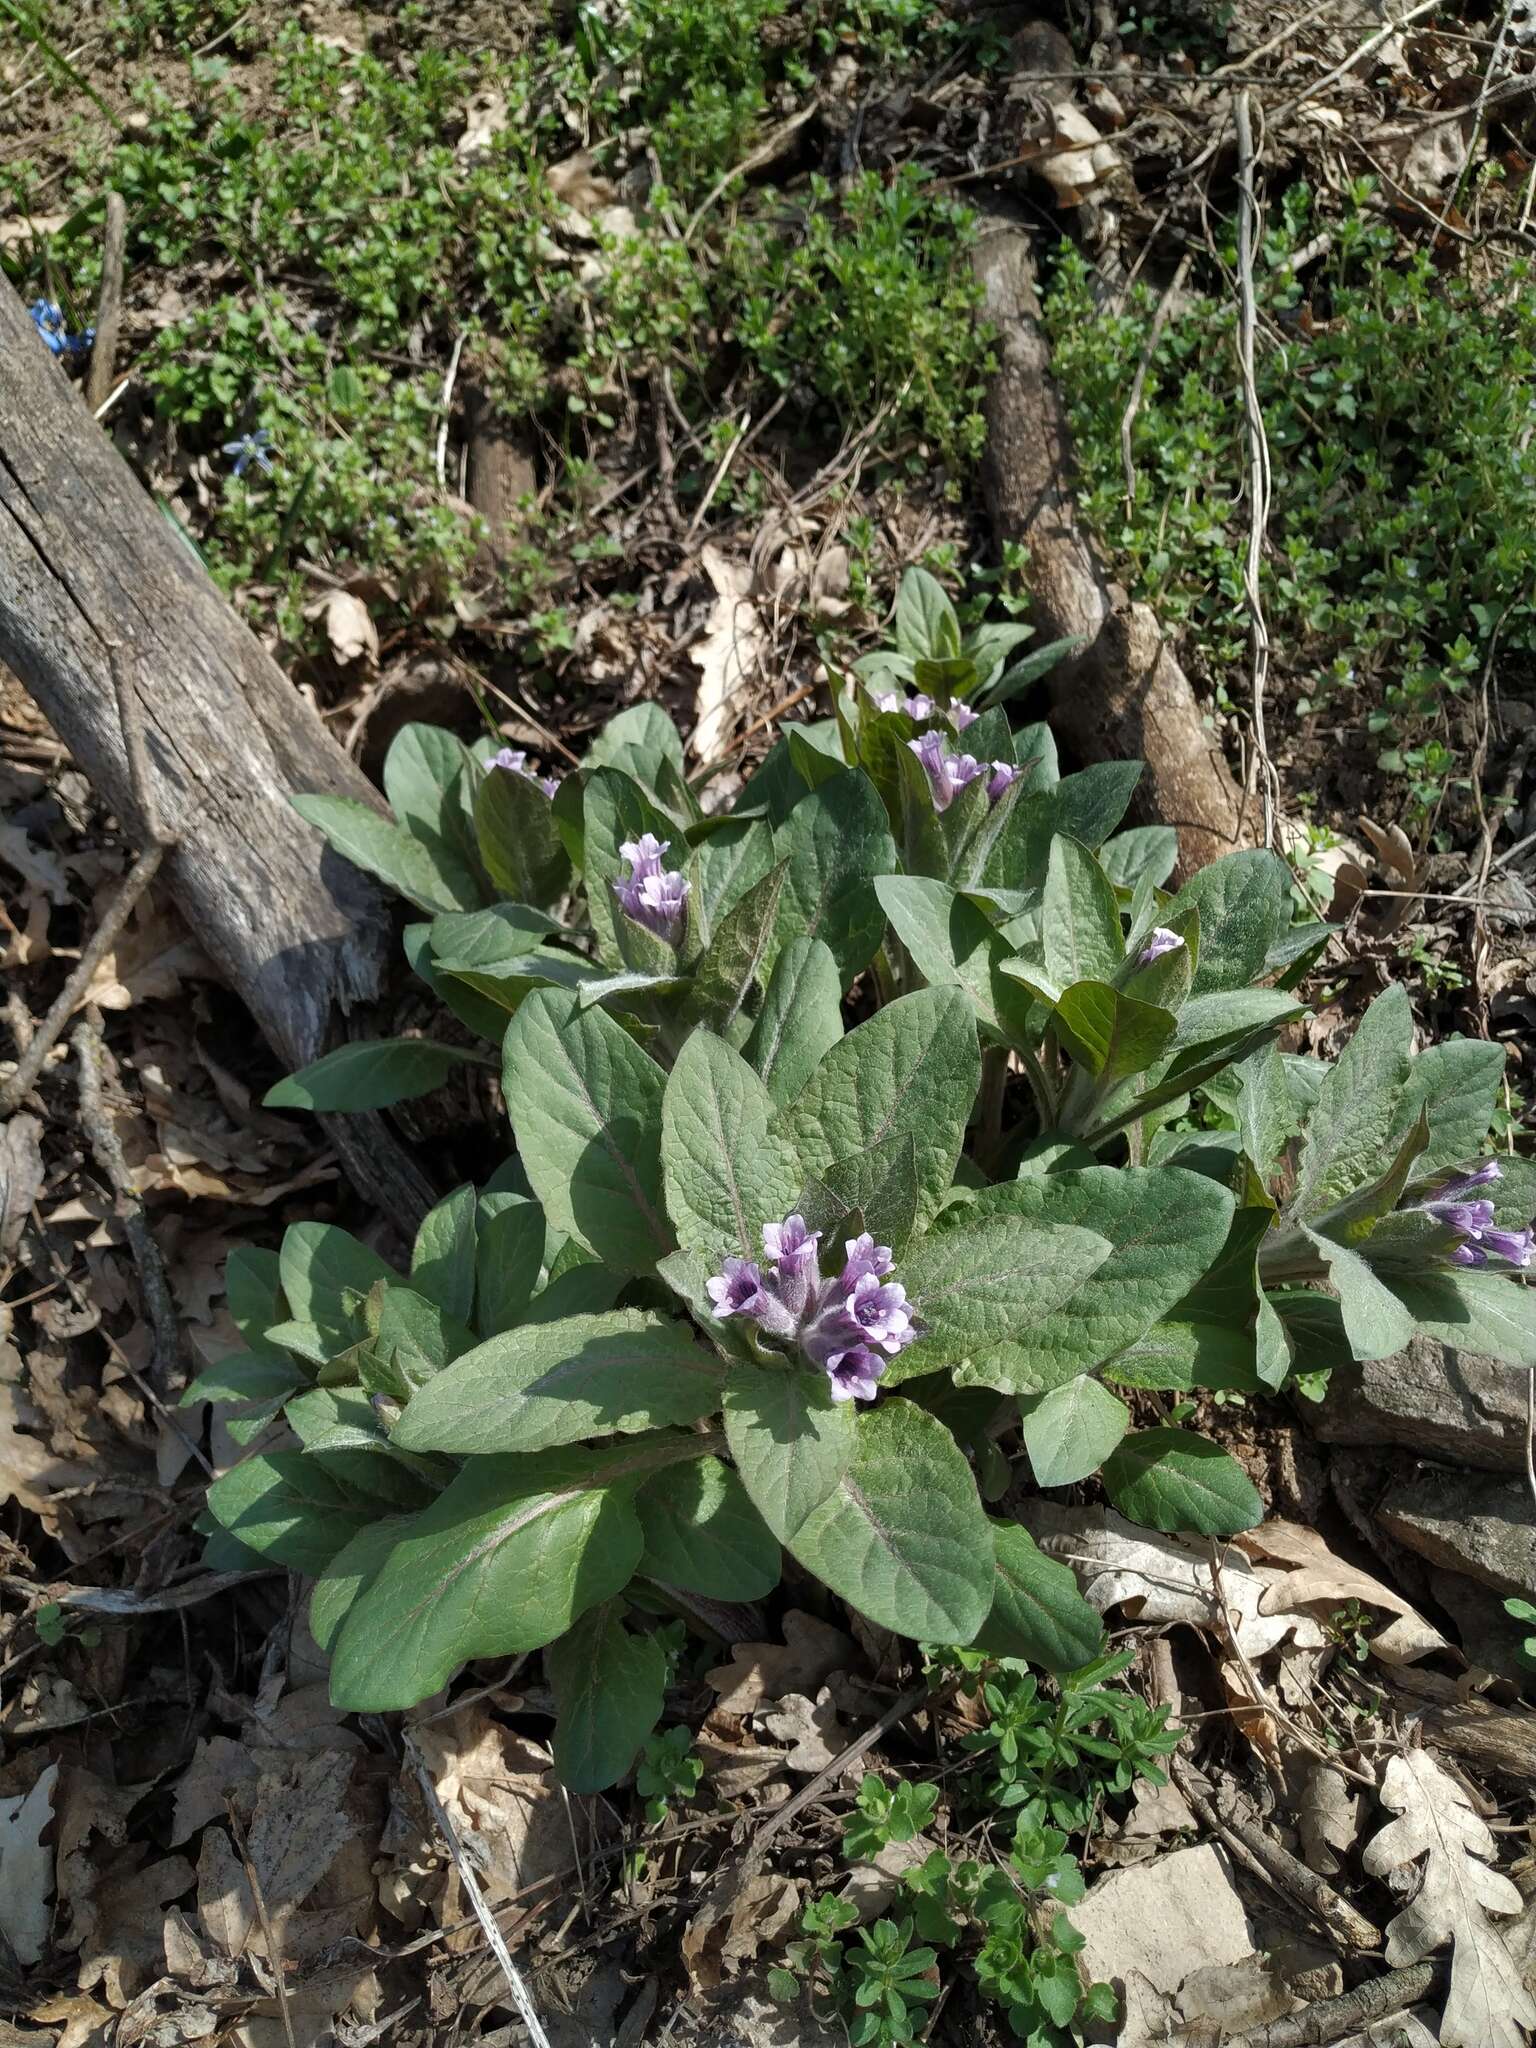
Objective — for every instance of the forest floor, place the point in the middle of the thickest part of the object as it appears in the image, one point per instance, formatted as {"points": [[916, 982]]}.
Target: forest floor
{"points": [[514, 365]]}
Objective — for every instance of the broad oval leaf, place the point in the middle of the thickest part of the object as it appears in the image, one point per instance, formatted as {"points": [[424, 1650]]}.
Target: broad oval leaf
{"points": [[1070, 1431], [985, 1282], [902, 1536], [289, 1508], [1037, 1611], [727, 1168], [791, 1441], [702, 1533], [609, 1686], [371, 1075], [835, 840], [801, 1018], [1174, 1480], [560, 1383], [387, 850]]}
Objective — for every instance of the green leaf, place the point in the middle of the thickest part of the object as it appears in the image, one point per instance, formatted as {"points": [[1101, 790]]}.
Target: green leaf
{"points": [[384, 849], [1164, 1225], [1143, 850], [1080, 918], [902, 1536], [327, 1277], [504, 1560], [952, 943], [443, 1261], [801, 1018], [882, 1185], [1111, 1035], [927, 624], [348, 1572], [1037, 1611], [729, 971], [429, 778], [609, 1687], [1071, 1430], [253, 1283], [986, 1282], [1243, 900], [485, 1017], [585, 1103], [244, 1376], [1349, 1133], [733, 859], [1491, 1314], [702, 1533], [1375, 1319], [288, 1508], [637, 742], [791, 1441], [559, 1383], [371, 1075], [520, 846], [726, 1169], [835, 840], [1267, 1113], [418, 1336], [914, 1067], [509, 1258], [1457, 1086], [1171, 1479]]}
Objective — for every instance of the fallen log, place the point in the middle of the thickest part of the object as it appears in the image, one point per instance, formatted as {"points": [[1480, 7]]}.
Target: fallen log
{"points": [[1125, 695], [89, 566]]}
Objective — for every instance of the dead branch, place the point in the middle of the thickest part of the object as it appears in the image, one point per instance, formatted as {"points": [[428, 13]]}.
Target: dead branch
{"points": [[109, 307], [87, 563], [1125, 695], [1330, 2019]]}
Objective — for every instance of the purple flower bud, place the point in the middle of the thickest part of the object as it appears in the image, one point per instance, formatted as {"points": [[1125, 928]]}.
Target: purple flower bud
{"points": [[1461, 1184], [1003, 775], [1468, 1255], [650, 894], [863, 1256], [1470, 1218], [739, 1289], [961, 715], [1162, 941], [1514, 1245], [854, 1375], [513, 761], [947, 774], [795, 1252], [920, 706]]}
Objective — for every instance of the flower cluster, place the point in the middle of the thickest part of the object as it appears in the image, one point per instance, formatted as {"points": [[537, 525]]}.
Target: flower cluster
{"points": [[513, 761], [1473, 1221], [652, 895], [948, 774], [847, 1327], [921, 706], [48, 319], [251, 448], [1160, 942]]}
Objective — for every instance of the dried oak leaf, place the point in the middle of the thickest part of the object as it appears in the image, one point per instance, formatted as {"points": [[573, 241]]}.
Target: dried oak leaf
{"points": [[1487, 2005], [809, 1654]]}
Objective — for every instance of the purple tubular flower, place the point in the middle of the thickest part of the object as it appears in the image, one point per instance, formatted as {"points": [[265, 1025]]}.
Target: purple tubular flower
{"points": [[1003, 775], [854, 1375], [1162, 941], [652, 895], [1463, 1183], [1470, 1218], [1468, 1255], [513, 761], [1514, 1245], [842, 1325], [947, 774], [920, 706], [1474, 1222], [961, 715]]}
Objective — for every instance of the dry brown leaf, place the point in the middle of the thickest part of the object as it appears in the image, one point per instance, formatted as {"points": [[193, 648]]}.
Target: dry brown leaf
{"points": [[348, 626], [21, 1176], [734, 1922], [811, 1726], [809, 1654], [729, 656], [500, 1794], [484, 119], [1162, 1578], [218, 1767], [38, 868], [576, 182], [26, 1868], [1328, 1815], [1318, 1577], [1456, 1891]]}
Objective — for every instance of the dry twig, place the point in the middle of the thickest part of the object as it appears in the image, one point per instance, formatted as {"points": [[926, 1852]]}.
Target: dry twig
{"points": [[1138, 383], [1258, 457], [1330, 2019], [109, 307]]}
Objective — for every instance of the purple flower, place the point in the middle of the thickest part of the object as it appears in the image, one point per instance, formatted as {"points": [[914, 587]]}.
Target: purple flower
{"points": [[1003, 775], [513, 761], [855, 1375], [48, 319], [920, 706], [947, 774], [840, 1325], [1473, 1222], [652, 895], [1162, 941]]}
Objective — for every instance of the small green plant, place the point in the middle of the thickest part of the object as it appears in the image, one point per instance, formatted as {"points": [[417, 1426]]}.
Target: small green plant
{"points": [[1522, 1610], [755, 1281], [669, 1769], [888, 1813]]}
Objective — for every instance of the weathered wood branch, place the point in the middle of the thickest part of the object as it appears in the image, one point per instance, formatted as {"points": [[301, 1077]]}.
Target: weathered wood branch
{"points": [[88, 563], [1125, 696]]}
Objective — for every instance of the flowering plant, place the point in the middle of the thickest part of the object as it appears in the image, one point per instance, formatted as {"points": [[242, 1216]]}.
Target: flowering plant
{"points": [[872, 1152]]}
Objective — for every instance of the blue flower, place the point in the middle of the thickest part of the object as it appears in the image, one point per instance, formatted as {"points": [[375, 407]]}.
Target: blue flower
{"points": [[48, 319], [251, 448]]}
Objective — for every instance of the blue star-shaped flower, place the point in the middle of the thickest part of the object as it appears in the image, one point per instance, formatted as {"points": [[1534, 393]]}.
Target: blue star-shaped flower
{"points": [[251, 448]]}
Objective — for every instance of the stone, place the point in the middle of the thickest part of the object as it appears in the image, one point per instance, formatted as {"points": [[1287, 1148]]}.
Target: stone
{"points": [[1160, 1922], [1434, 1399], [1468, 1522], [1488, 1636]]}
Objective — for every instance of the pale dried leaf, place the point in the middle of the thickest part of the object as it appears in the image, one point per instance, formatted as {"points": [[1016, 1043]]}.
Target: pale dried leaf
{"points": [[38, 868], [1487, 2005], [811, 1726], [219, 1766], [1328, 1814], [576, 182], [734, 1922], [1162, 1578], [809, 1654], [26, 1868], [1319, 1577], [484, 119], [730, 654], [348, 626], [21, 1176], [500, 1793], [299, 1826]]}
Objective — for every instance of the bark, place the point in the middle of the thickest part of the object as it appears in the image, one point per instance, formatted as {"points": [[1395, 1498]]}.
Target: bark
{"points": [[88, 561], [1125, 695]]}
